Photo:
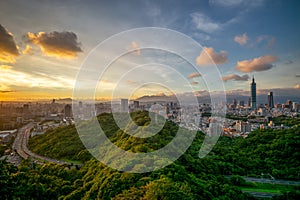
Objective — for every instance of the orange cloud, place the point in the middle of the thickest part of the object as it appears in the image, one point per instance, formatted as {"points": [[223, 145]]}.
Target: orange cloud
{"points": [[241, 39], [194, 75], [297, 86], [135, 47], [8, 48], [235, 77], [194, 83], [105, 81], [56, 44], [27, 50], [257, 64], [209, 57]]}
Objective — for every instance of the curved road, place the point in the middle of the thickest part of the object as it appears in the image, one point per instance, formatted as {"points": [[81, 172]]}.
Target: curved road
{"points": [[265, 180], [20, 146]]}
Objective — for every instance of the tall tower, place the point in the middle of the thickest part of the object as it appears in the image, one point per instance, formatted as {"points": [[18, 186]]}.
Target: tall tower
{"points": [[68, 111], [270, 100], [253, 94]]}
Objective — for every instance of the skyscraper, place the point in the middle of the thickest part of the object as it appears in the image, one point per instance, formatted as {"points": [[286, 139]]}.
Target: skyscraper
{"points": [[234, 103], [68, 111], [270, 100], [253, 94]]}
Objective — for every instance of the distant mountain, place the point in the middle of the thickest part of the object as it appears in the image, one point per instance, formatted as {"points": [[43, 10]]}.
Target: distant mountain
{"points": [[64, 100], [156, 98], [281, 95]]}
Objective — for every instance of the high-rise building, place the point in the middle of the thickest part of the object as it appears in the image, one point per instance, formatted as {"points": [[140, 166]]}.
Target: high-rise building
{"points": [[295, 106], [270, 100], [253, 94], [68, 111], [288, 104], [243, 127], [124, 105], [241, 103], [249, 102], [234, 103]]}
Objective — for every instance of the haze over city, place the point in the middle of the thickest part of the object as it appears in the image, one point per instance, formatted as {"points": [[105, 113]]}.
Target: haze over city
{"points": [[43, 44]]}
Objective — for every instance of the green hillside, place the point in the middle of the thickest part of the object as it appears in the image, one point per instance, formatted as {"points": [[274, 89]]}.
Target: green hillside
{"points": [[269, 151]]}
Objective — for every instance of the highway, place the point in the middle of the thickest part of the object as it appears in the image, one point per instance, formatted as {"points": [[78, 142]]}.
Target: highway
{"points": [[20, 146], [262, 194], [276, 181], [265, 180], [19, 140]]}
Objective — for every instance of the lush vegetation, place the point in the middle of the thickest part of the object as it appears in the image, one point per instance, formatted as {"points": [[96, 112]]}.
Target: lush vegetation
{"points": [[268, 151], [274, 152], [39, 182], [62, 143], [285, 120]]}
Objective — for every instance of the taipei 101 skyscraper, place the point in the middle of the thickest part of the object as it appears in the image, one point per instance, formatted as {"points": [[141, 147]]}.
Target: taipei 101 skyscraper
{"points": [[253, 94]]}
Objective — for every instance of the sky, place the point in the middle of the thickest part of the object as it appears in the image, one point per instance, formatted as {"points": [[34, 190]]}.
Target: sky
{"points": [[45, 45]]}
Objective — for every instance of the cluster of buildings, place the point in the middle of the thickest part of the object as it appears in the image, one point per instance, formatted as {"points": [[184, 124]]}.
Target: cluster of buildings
{"points": [[253, 116], [7, 135], [45, 115], [241, 118]]}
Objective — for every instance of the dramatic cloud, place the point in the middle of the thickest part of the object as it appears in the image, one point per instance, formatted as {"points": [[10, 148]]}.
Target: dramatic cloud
{"points": [[297, 86], [257, 64], [194, 75], [6, 91], [27, 50], [235, 77], [241, 39], [8, 48], [209, 57], [204, 23], [56, 44], [10, 77], [135, 47], [4, 88]]}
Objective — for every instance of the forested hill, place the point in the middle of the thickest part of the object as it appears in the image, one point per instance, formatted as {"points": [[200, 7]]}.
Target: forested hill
{"points": [[270, 151]]}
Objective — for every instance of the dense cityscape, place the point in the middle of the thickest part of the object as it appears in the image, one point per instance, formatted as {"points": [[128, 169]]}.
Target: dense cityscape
{"points": [[149, 100], [50, 115]]}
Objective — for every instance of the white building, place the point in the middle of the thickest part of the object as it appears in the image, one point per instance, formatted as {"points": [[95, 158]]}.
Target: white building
{"points": [[243, 127]]}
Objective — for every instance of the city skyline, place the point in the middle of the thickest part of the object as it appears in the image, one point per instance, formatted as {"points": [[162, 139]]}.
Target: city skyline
{"points": [[41, 52]]}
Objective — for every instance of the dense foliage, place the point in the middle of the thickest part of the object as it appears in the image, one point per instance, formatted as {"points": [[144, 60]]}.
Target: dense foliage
{"points": [[285, 120], [61, 143], [268, 151], [274, 152]]}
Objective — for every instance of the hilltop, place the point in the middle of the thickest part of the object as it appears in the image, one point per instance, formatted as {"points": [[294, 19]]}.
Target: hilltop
{"points": [[269, 151]]}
